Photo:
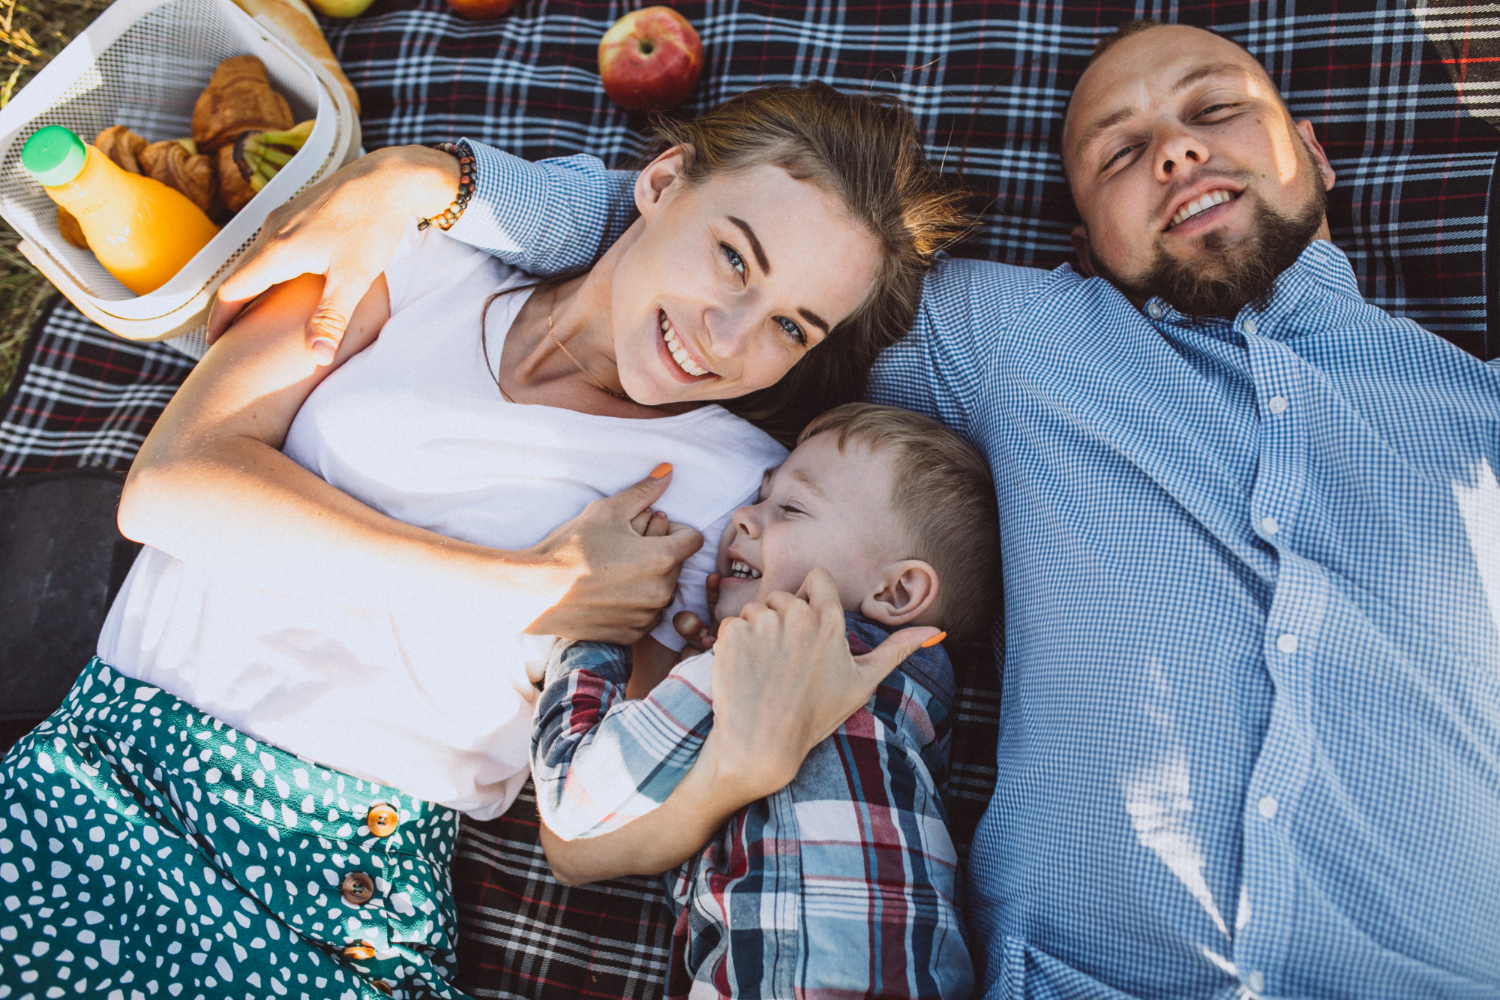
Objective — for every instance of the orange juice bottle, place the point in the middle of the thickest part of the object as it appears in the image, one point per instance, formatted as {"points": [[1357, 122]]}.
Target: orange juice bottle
{"points": [[142, 231]]}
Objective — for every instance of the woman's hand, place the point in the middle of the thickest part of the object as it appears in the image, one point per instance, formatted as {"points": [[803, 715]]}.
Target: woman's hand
{"points": [[347, 228], [619, 576], [784, 680]]}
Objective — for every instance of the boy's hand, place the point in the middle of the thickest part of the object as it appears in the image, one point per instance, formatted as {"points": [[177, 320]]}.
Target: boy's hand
{"points": [[784, 680], [698, 633]]}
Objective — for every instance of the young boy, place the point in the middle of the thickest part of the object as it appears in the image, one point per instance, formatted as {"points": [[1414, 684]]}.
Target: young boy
{"points": [[844, 883]]}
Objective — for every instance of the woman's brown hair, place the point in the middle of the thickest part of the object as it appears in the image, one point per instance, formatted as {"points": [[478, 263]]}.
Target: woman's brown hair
{"points": [[866, 151]]}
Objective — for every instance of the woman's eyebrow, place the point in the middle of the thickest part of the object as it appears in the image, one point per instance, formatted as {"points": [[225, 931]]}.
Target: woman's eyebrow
{"points": [[755, 247], [815, 320]]}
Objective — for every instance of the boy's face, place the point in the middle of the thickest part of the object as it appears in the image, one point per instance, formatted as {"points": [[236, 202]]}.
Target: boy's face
{"points": [[822, 508]]}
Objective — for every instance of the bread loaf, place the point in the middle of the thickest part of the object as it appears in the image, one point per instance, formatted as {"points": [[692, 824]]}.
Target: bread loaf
{"points": [[296, 21]]}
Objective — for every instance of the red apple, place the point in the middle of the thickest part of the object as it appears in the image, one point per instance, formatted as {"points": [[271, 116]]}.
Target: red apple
{"points": [[649, 59], [481, 10]]}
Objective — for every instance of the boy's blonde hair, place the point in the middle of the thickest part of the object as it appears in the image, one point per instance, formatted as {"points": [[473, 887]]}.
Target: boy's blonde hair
{"points": [[945, 499]]}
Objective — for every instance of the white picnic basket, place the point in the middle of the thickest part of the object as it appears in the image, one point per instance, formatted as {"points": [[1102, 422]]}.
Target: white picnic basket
{"points": [[143, 63]]}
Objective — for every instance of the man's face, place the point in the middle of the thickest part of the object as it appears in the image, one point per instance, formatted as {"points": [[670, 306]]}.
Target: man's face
{"points": [[1192, 179]]}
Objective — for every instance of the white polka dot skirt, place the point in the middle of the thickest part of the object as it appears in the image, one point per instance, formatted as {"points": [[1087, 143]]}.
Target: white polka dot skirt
{"points": [[148, 849]]}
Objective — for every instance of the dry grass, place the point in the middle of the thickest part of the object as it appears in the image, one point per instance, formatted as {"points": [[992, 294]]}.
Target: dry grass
{"points": [[31, 34]]}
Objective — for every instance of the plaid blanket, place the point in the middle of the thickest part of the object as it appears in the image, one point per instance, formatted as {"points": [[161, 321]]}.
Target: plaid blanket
{"points": [[1405, 102]]}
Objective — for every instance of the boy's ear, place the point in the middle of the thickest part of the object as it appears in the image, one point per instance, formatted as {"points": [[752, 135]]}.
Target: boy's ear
{"points": [[652, 183], [907, 589]]}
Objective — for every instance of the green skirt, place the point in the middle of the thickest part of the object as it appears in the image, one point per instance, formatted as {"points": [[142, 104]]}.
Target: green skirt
{"points": [[148, 849]]}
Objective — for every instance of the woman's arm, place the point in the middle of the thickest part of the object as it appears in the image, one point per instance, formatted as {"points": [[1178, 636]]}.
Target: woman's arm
{"points": [[544, 218], [210, 485]]}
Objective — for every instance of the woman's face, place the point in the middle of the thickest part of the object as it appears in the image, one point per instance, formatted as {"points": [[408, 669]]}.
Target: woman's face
{"points": [[729, 282]]}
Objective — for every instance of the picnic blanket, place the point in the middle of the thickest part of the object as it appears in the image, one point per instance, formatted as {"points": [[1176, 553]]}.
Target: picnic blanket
{"points": [[1406, 100]]}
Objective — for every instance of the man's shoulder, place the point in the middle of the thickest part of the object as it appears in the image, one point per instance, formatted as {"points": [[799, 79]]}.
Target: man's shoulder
{"points": [[973, 305]]}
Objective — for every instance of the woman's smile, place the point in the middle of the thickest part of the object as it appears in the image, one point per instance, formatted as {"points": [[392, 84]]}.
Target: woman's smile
{"points": [[683, 363]]}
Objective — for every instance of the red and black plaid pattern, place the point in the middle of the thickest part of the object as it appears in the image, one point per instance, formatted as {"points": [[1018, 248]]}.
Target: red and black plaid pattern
{"points": [[1404, 104], [524, 935]]}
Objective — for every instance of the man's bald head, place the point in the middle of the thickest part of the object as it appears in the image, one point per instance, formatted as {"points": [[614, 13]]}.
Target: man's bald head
{"points": [[1183, 159]]}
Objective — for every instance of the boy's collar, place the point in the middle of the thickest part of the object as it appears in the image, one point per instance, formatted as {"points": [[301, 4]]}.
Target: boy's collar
{"points": [[928, 667]]}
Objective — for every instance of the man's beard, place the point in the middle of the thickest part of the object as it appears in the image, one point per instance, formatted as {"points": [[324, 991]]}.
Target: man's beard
{"points": [[1224, 277]]}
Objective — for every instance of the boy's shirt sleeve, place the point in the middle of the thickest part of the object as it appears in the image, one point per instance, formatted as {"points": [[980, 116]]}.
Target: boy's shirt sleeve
{"points": [[600, 760], [548, 217]]}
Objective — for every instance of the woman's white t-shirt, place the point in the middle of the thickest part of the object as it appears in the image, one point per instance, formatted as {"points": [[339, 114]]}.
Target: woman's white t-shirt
{"points": [[437, 705]]}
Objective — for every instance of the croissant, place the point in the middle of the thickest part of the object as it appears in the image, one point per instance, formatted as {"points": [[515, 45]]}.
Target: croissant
{"points": [[121, 145], [191, 173], [238, 98]]}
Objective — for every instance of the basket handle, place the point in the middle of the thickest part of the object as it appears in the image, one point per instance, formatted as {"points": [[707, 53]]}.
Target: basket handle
{"points": [[185, 319]]}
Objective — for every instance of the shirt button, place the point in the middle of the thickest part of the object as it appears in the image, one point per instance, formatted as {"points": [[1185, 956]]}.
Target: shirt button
{"points": [[357, 888], [1250, 328], [1269, 525], [361, 952], [1278, 405], [1267, 806], [382, 820], [1287, 643], [1154, 309], [382, 986], [1256, 981]]}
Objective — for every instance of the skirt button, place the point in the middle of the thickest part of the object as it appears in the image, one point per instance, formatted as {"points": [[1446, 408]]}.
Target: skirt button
{"points": [[382, 820], [357, 888]]}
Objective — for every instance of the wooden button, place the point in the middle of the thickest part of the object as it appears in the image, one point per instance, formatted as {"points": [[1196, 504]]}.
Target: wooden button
{"points": [[361, 952], [382, 820], [382, 986], [357, 888]]}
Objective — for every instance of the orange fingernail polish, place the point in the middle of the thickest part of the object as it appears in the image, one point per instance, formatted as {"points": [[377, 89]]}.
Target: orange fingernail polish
{"points": [[935, 640], [661, 470]]}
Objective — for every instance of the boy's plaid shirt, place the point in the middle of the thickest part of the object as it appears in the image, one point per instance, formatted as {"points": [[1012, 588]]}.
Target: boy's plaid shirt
{"points": [[842, 884]]}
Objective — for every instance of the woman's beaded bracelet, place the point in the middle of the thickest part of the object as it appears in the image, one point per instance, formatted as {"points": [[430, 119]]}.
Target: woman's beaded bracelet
{"points": [[465, 156]]}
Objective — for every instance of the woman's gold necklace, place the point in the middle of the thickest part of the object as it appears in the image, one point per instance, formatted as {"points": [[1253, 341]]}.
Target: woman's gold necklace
{"points": [[569, 354], [576, 363]]}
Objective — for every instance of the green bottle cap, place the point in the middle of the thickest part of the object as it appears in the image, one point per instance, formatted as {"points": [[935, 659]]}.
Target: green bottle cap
{"points": [[54, 155]]}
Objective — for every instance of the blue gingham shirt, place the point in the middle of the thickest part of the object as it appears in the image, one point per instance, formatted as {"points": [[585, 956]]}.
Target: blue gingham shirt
{"points": [[1250, 727]]}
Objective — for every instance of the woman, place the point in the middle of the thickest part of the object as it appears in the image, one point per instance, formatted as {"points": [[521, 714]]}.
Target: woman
{"points": [[326, 647]]}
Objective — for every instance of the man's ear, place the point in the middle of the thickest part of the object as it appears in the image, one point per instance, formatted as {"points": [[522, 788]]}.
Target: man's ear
{"points": [[1085, 264], [652, 183], [1315, 149], [906, 590]]}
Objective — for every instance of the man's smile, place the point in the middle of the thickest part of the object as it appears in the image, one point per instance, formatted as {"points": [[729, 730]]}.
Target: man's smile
{"points": [[1198, 206]]}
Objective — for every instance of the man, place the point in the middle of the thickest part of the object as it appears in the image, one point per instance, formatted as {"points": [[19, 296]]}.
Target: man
{"points": [[1250, 729]]}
